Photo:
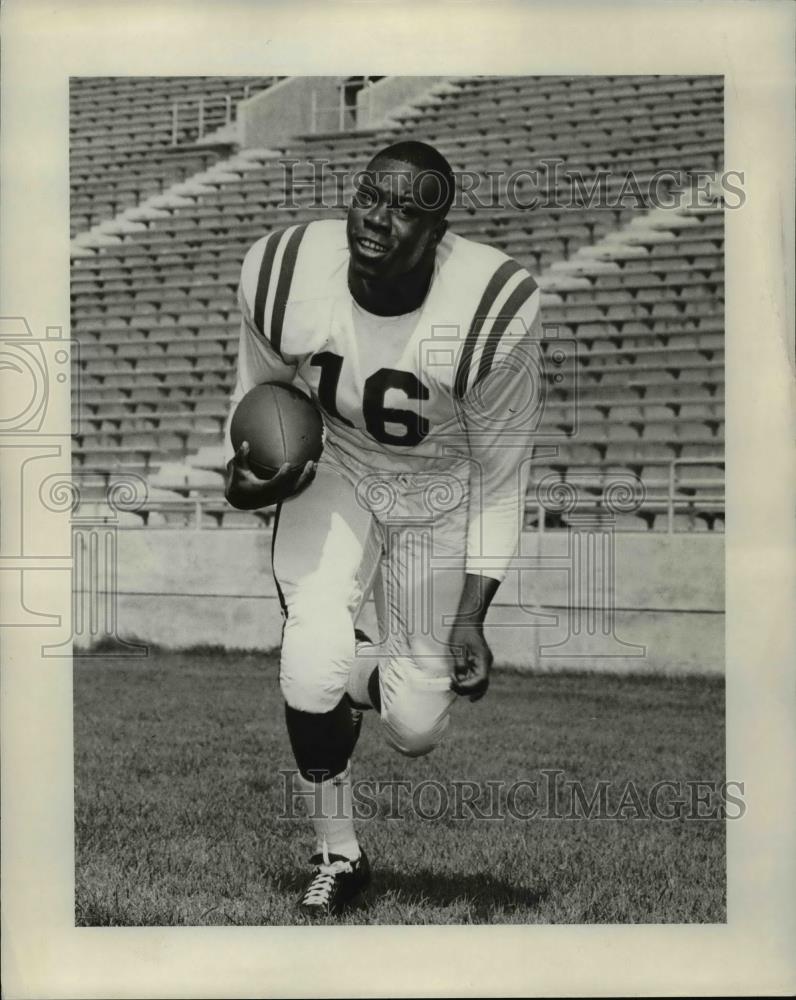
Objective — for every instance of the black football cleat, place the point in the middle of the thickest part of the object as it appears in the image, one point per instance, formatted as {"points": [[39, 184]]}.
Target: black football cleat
{"points": [[335, 885]]}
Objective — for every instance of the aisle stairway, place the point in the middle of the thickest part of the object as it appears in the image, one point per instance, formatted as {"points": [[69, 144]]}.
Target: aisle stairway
{"points": [[640, 292]]}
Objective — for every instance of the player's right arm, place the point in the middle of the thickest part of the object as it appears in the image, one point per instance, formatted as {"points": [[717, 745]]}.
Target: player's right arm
{"points": [[258, 362], [245, 490]]}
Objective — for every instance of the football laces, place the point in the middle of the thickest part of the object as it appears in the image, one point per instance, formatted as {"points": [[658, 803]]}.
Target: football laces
{"points": [[320, 888]]}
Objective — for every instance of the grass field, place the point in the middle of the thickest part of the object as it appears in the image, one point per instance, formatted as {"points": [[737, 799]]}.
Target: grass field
{"points": [[177, 795]]}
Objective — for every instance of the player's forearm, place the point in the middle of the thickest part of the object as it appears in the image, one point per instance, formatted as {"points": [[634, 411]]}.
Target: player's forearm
{"points": [[493, 532], [476, 597]]}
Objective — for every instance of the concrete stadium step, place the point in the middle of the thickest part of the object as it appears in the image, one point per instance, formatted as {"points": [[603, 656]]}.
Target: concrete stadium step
{"points": [[652, 330]]}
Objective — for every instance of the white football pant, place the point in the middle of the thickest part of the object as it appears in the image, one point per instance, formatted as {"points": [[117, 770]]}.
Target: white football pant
{"points": [[401, 537]]}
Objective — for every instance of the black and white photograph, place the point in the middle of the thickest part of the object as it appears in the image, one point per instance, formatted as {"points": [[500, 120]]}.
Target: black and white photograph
{"points": [[383, 470], [469, 336]]}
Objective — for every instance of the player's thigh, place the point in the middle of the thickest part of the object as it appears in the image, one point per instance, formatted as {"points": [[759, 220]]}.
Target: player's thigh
{"points": [[424, 572], [320, 539], [424, 577], [322, 545]]}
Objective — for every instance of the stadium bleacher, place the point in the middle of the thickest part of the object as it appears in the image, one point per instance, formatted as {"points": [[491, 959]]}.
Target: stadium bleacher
{"points": [[639, 291], [133, 136]]}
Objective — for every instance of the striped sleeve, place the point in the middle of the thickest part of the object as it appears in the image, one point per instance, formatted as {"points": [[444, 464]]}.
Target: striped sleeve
{"points": [[266, 280], [509, 294], [500, 384]]}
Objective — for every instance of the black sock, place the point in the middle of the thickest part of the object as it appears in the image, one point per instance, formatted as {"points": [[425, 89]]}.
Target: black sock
{"points": [[322, 741]]}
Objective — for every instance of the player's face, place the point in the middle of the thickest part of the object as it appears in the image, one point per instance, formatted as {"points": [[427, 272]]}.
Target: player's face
{"points": [[394, 220]]}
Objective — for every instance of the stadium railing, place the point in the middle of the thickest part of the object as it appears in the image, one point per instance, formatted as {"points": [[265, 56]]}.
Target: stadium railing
{"points": [[201, 510], [346, 114], [191, 110]]}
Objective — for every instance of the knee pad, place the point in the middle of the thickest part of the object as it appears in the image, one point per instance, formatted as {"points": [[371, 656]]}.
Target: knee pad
{"points": [[415, 708], [410, 741], [316, 658], [305, 693]]}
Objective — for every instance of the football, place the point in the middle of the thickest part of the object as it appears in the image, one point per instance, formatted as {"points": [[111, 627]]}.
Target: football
{"points": [[281, 424]]}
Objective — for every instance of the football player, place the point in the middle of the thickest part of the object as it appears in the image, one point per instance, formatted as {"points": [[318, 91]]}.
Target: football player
{"points": [[419, 346]]}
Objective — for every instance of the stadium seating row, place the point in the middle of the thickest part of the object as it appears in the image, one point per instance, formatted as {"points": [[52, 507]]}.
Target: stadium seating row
{"points": [[123, 130], [156, 314]]}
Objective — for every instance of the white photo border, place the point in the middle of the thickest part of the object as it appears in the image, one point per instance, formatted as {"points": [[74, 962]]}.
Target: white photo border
{"points": [[750, 44]]}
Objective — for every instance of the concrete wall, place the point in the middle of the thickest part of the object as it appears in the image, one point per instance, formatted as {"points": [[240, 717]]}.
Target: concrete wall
{"points": [[179, 588], [378, 102], [273, 117]]}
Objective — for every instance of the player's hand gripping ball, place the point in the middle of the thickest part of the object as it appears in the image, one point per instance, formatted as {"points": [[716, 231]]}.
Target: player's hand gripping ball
{"points": [[282, 426]]}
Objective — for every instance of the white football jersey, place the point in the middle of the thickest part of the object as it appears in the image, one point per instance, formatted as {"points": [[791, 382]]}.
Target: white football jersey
{"points": [[441, 389]]}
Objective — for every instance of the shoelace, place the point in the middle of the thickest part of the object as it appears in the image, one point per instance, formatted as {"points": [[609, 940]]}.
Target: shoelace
{"points": [[320, 888]]}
